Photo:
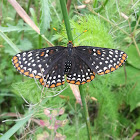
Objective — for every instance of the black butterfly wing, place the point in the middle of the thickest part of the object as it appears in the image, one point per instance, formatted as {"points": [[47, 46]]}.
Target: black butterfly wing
{"points": [[37, 63], [80, 73], [101, 60]]}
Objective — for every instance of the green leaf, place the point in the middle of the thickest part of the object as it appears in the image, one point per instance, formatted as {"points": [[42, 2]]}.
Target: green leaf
{"points": [[17, 28], [133, 57], [45, 17], [25, 45], [131, 87]]}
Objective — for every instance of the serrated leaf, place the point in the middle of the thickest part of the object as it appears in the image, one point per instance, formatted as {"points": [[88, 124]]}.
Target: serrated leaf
{"points": [[17, 28], [45, 17]]}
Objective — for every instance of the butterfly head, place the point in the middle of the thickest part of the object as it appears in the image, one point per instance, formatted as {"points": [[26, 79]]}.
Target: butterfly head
{"points": [[70, 44]]}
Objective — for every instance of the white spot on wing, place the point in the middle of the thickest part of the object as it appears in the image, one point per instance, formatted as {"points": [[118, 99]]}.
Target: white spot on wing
{"points": [[105, 68], [39, 65], [34, 65], [34, 71], [30, 69], [30, 54]]}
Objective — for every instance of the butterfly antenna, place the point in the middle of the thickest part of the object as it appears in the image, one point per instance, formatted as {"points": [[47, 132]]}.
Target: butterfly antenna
{"points": [[80, 34], [58, 32]]}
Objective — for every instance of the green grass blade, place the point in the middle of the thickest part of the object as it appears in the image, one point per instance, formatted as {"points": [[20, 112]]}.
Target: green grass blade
{"points": [[9, 42], [18, 125]]}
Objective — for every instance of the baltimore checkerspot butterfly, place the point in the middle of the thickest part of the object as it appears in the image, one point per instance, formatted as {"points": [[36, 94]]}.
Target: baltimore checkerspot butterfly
{"points": [[80, 64]]}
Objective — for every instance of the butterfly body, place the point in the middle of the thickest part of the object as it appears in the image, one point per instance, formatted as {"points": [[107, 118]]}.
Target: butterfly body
{"points": [[79, 64]]}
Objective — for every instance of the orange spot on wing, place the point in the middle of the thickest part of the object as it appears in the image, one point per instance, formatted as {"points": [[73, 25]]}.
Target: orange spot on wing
{"points": [[120, 64], [124, 55], [42, 54], [99, 52], [72, 82], [26, 73], [31, 75], [17, 64], [93, 73], [77, 83], [18, 68], [88, 80], [37, 76], [52, 86], [101, 73], [116, 66], [63, 82], [68, 81], [83, 83], [112, 69], [47, 86], [58, 84], [16, 61], [14, 58], [122, 61], [107, 71], [92, 77], [22, 71], [41, 80]]}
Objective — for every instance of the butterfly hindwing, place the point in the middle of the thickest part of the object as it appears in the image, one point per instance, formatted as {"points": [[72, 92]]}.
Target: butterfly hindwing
{"points": [[55, 76], [101, 60], [80, 73]]}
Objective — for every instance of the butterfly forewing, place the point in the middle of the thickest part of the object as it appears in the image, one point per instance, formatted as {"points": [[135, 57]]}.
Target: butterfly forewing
{"points": [[34, 63], [101, 60]]}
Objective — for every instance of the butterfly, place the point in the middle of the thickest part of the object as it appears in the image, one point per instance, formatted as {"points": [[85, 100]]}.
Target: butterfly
{"points": [[80, 64]]}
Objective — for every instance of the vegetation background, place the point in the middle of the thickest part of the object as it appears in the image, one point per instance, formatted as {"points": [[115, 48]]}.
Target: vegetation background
{"points": [[113, 100]]}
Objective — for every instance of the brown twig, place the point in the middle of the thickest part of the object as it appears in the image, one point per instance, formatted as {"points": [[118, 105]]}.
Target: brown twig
{"points": [[68, 5], [24, 15], [27, 19], [134, 135]]}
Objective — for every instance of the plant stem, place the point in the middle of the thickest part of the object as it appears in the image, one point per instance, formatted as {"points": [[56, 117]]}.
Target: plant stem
{"points": [[29, 3], [66, 19], [137, 48], [82, 93]]}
